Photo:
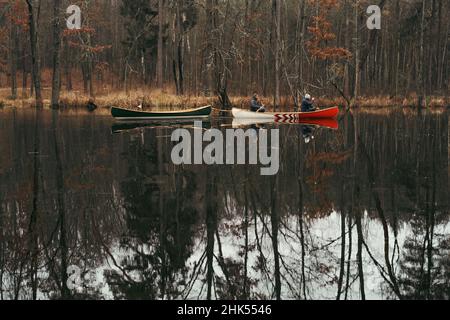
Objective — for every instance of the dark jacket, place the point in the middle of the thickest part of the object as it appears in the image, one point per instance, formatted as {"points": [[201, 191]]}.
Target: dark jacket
{"points": [[307, 106], [255, 105]]}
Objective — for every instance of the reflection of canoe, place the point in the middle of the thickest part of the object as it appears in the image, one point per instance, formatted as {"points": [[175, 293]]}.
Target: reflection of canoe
{"points": [[129, 126], [287, 116], [324, 123], [127, 114], [241, 122]]}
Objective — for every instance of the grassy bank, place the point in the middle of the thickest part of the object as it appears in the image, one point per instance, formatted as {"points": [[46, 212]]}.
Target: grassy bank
{"points": [[157, 99]]}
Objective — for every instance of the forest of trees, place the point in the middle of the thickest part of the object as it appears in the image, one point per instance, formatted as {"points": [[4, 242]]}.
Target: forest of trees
{"points": [[280, 48]]}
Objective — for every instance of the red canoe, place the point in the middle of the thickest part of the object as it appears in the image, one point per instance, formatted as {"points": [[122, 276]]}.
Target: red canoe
{"points": [[329, 113]]}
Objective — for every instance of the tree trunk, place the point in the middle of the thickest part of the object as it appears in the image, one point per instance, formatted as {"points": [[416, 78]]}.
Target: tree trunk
{"points": [[90, 68], [359, 255], [347, 45], [33, 5], [32, 83], [275, 223], [397, 47], [211, 227], [300, 31], [143, 68], [13, 55], [421, 77], [178, 69], [180, 53], [342, 260], [159, 67], [91, 82], [357, 53], [59, 177], [277, 13], [67, 66], [438, 53], [208, 53], [56, 82], [85, 76], [24, 81]]}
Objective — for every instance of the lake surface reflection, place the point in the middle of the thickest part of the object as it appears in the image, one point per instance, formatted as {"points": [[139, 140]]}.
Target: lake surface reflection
{"points": [[92, 210]]}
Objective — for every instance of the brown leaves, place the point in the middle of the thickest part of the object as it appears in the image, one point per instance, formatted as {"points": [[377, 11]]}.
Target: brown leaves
{"points": [[18, 15], [4, 36], [89, 49], [86, 31], [329, 53], [321, 30], [75, 32]]}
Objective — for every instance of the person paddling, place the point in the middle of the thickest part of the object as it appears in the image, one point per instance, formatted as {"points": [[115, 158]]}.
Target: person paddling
{"points": [[256, 105], [307, 104]]}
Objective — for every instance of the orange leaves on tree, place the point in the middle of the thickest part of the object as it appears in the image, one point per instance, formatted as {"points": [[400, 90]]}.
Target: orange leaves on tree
{"points": [[3, 49], [76, 32], [99, 49], [325, 4], [18, 14], [4, 33], [83, 46], [102, 66], [90, 49], [321, 31]]}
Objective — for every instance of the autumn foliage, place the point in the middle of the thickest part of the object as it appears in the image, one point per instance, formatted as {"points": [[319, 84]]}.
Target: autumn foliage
{"points": [[322, 34], [15, 14], [18, 15]]}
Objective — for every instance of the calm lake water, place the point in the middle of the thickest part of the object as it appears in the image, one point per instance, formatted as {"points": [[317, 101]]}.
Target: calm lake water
{"points": [[90, 210]]}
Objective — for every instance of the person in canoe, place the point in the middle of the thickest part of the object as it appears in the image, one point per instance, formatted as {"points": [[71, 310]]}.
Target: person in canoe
{"points": [[256, 105], [308, 104]]}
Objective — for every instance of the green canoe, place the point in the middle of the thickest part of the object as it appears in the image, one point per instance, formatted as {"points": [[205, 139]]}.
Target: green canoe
{"points": [[127, 114]]}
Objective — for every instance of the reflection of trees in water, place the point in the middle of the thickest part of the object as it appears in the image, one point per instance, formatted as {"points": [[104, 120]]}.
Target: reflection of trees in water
{"points": [[47, 222], [330, 225], [367, 185], [425, 265], [160, 215]]}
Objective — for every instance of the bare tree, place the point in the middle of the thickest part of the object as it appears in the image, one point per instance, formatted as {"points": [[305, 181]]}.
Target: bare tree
{"points": [[56, 82], [421, 75], [277, 14], [357, 53], [13, 52], [159, 67], [33, 16]]}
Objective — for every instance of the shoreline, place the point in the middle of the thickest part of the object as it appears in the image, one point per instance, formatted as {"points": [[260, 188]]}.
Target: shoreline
{"points": [[159, 100]]}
